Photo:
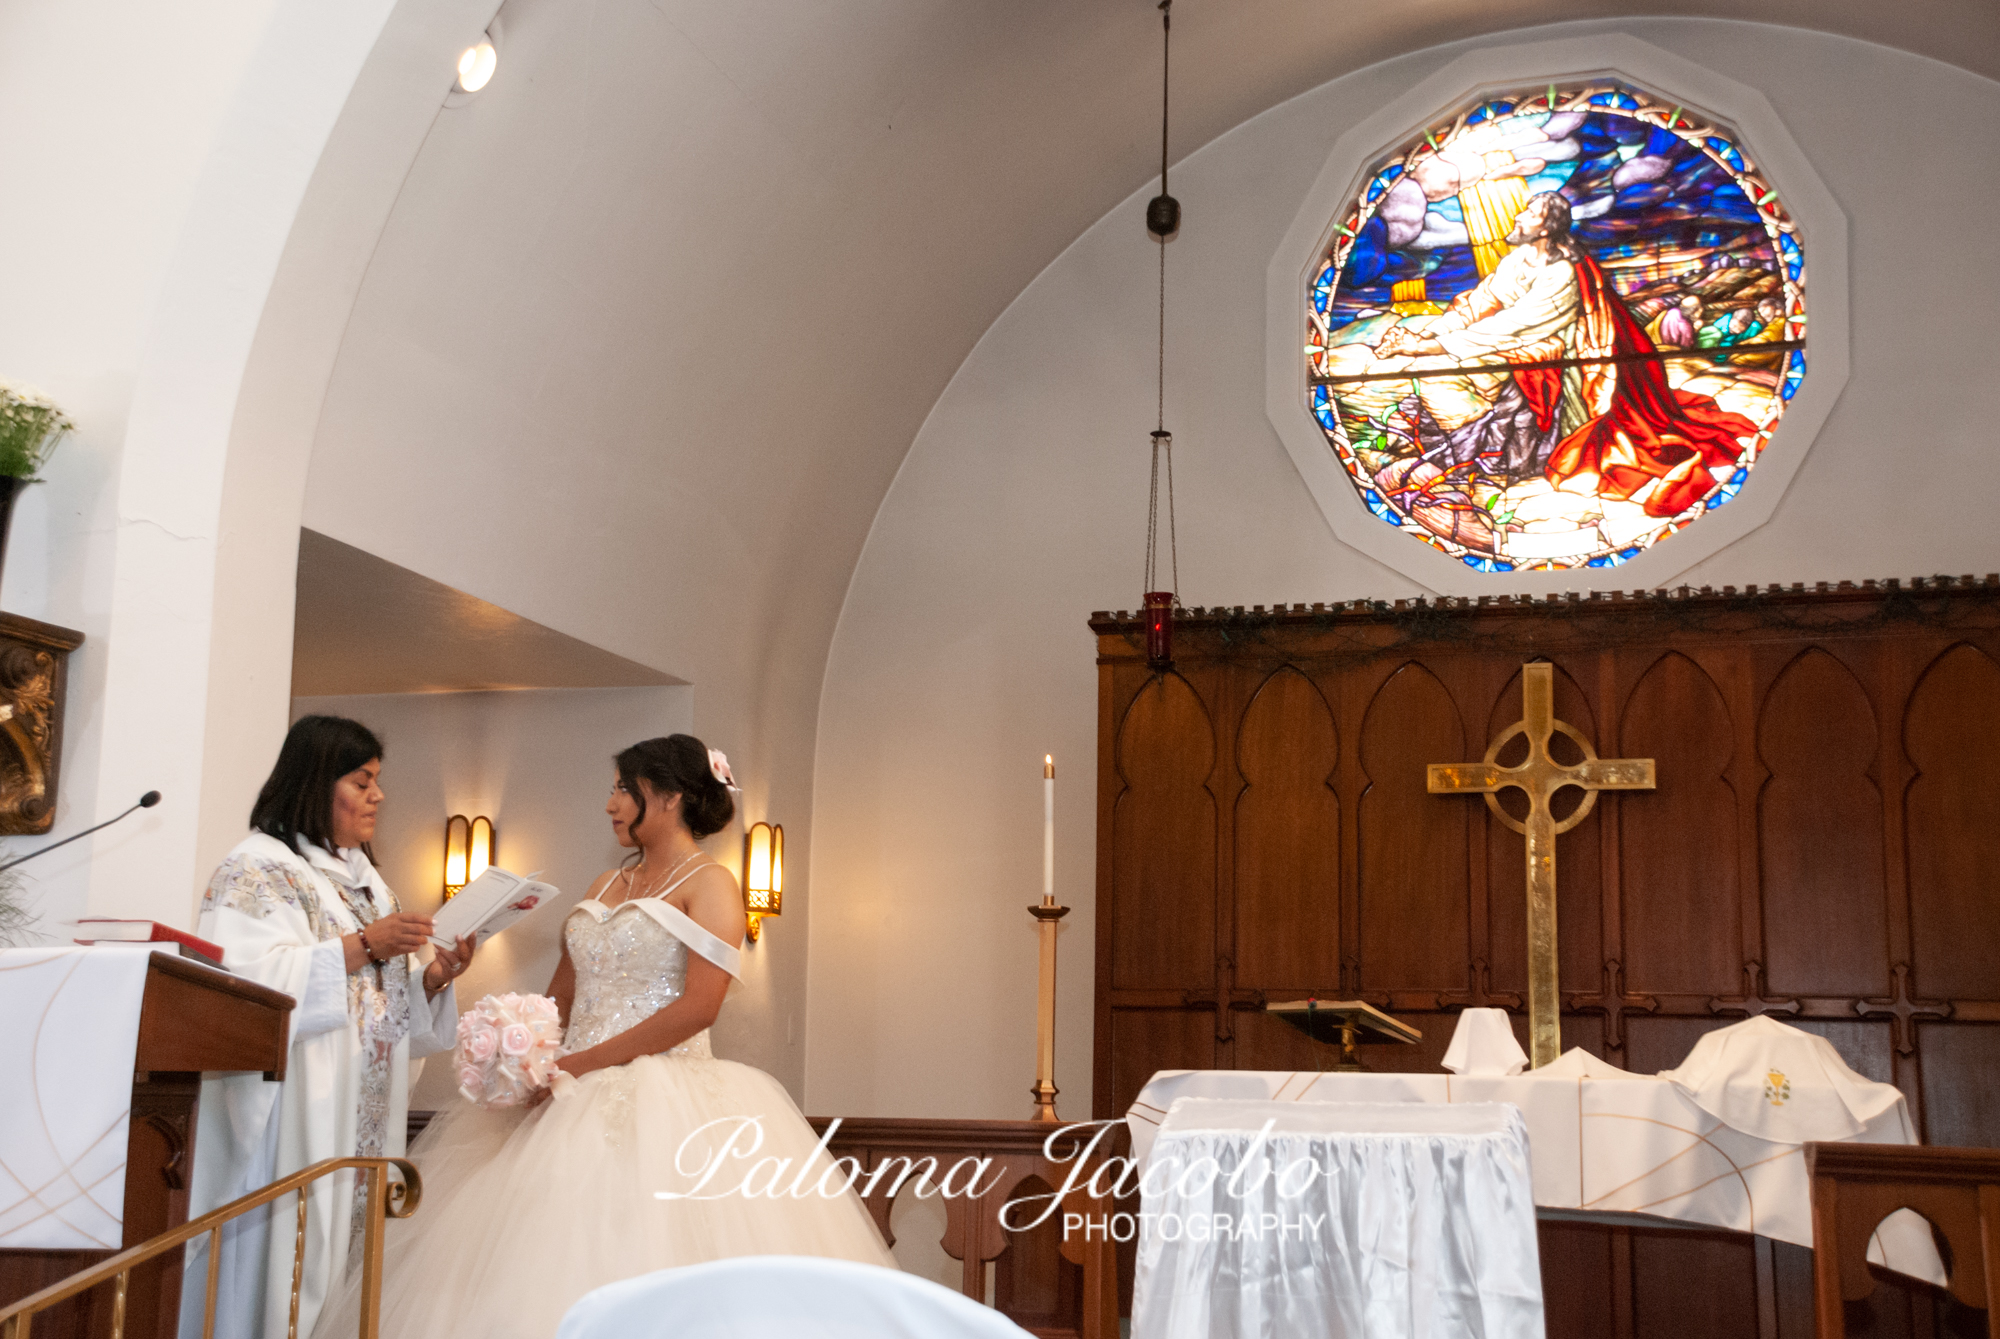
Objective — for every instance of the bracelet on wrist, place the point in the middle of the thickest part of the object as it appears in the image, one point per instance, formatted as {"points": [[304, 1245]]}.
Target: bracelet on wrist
{"points": [[369, 949]]}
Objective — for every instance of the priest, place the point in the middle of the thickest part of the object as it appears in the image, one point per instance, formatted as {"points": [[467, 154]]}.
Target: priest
{"points": [[298, 906]]}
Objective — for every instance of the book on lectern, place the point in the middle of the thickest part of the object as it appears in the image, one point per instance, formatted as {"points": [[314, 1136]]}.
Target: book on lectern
{"points": [[488, 905], [114, 930]]}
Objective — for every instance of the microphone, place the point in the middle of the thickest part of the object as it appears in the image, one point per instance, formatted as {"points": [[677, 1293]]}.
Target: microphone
{"points": [[146, 801]]}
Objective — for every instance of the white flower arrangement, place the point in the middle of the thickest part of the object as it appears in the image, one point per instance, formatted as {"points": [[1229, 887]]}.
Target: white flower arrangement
{"points": [[30, 427]]}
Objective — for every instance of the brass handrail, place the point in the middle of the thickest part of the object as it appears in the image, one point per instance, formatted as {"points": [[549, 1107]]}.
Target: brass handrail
{"points": [[385, 1198]]}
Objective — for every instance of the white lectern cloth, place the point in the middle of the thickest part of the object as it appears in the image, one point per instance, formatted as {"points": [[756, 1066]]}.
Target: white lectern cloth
{"points": [[782, 1297], [1352, 1221], [1632, 1144], [67, 1052]]}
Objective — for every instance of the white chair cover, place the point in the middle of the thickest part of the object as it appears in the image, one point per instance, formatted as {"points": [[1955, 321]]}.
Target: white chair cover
{"points": [[782, 1297], [1407, 1221]]}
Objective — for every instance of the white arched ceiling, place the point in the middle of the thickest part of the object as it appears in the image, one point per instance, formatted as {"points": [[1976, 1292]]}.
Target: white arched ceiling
{"points": [[700, 271]]}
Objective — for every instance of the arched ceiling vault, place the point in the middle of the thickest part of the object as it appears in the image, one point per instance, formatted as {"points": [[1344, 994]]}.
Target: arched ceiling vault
{"points": [[698, 271]]}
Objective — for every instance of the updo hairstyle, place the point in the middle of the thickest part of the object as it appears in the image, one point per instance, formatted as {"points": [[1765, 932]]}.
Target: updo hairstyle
{"points": [[677, 765]]}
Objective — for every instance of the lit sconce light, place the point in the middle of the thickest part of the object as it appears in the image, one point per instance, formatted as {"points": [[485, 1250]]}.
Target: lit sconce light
{"points": [[763, 874], [476, 66], [468, 851]]}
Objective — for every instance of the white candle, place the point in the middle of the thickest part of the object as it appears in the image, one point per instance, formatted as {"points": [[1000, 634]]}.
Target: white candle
{"points": [[1049, 828]]}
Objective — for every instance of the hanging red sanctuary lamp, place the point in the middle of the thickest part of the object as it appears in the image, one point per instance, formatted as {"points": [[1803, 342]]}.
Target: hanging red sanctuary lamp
{"points": [[1163, 220]]}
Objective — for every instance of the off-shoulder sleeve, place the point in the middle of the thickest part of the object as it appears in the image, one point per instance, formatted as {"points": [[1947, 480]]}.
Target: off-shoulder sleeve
{"points": [[686, 929]]}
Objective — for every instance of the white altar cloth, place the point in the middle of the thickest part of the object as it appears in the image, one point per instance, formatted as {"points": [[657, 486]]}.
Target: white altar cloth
{"points": [[1631, 1144], [1393, 1220], [67, 1051]]}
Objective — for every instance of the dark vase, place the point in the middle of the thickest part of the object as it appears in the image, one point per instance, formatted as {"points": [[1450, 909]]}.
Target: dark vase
{"points": [[10, 489]]}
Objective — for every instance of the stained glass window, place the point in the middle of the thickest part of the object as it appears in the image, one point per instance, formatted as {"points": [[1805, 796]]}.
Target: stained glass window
{"points": [[1557, 327]]}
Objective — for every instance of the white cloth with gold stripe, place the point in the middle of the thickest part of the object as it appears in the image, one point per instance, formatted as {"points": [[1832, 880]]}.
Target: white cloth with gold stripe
{"points": [[63, 1124], [1609, 1142]]}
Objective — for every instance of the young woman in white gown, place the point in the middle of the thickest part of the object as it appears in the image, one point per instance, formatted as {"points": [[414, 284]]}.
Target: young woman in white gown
{"points": [[524, 1211]]}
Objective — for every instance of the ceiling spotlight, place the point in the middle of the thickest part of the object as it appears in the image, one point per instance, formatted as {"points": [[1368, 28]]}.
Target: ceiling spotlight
{"points": [[476, 66]]}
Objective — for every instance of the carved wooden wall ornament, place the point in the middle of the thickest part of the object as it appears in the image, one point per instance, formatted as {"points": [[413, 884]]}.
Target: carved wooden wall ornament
{"points": [[1824, 846], [34, 668]]}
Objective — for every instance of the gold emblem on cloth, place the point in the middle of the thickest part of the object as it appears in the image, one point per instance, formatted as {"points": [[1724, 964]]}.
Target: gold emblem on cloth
{"points": [[1777, 1088]]}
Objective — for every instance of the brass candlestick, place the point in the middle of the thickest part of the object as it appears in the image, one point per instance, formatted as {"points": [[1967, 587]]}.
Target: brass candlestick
{"points": [[1046, 915]]}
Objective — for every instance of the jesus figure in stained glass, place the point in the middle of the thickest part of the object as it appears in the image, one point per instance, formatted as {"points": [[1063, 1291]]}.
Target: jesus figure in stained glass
{"points": [[1524, 379], [1528, 342]]}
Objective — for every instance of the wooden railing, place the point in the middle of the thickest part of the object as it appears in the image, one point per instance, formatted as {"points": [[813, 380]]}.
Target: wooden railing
{"points": [[1058, 1279], [385, 1199]]}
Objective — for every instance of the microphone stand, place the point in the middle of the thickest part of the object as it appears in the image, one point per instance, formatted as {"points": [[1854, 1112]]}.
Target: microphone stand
{"points": [[146, 801]]}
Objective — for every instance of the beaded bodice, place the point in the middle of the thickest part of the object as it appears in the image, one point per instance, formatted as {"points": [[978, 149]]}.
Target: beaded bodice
{"points": [[628, 968]]}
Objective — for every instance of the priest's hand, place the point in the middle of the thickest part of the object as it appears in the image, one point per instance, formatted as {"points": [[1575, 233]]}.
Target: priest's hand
{"points": [[449, 964], [385, 937]]}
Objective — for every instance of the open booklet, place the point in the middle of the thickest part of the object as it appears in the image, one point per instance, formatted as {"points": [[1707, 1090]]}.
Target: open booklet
{"points": [[488, 905]]}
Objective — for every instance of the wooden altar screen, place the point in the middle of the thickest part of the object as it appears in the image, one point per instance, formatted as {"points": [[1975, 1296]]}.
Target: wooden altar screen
{"points": [[1823, 847]]}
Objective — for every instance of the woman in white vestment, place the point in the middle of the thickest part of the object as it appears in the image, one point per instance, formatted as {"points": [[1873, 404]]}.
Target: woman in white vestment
{"points": [[298, 906], [526, 1210]]}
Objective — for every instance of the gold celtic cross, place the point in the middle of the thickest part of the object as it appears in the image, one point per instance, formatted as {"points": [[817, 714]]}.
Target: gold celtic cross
{"points": [[1540, 776]]}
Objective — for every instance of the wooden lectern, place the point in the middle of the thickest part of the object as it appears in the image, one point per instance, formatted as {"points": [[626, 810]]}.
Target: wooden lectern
{"points": [[194, 1019]]}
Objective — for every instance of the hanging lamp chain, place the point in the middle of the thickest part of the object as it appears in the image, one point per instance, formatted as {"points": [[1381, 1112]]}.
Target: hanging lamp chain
{"points": [[1163, 219]]}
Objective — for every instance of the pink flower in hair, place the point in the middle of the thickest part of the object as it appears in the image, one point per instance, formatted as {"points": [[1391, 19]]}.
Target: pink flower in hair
{"points": [[718, 764]]}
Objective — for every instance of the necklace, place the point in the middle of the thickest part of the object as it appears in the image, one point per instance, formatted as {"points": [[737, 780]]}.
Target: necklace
{"points": [[661, 882]]}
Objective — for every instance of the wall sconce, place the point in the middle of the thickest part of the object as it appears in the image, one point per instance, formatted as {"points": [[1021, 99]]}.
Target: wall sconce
{"points": [[468, 850], [763, 874]]}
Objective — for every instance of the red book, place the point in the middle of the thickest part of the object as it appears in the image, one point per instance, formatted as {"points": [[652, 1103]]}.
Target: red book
{"points": [[109, 930]]}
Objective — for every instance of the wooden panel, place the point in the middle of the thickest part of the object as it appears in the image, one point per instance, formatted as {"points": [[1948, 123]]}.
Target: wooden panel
{"points": [[1654, 1043], [1412, 844], [1288, 839], [1579, 871], [1960, 1067], [1693, 1283], [1576, 1280], [1145, 1041], [1952, 735], [1680, 874], [1819, 830], [1164, 842]]}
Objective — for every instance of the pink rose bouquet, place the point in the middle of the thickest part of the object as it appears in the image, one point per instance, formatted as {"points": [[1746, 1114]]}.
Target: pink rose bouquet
{"points": [[508, 1046]]}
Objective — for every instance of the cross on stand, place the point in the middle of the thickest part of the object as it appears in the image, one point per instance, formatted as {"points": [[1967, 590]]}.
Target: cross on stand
{"points": [[1540, 776]]}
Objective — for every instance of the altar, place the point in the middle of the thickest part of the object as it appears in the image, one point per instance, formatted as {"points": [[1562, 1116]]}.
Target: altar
{"points": [[1602, 1146], [1718, 1142]]}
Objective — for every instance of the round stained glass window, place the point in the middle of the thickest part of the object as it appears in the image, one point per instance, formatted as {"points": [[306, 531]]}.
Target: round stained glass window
{"points": [[1557, 327]]}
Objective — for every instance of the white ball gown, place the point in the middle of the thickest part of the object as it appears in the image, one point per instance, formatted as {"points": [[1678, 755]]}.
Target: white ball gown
{"points": [[524, 1212]]}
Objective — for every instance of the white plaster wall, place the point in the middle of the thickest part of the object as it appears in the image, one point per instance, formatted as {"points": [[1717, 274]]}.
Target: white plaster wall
{"points": [[538, 763], [99, 192], [159, 160], [962, 655]]}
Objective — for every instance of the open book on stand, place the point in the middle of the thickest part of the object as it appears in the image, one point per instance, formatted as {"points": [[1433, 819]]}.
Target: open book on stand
{"points": [[488, 905]]}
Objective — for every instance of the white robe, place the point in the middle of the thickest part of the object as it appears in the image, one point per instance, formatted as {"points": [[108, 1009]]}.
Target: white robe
{"points": [[279, 917]]}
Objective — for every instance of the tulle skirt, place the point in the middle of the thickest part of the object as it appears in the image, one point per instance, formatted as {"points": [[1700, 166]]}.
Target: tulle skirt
{"points": [[525, 1212]]}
